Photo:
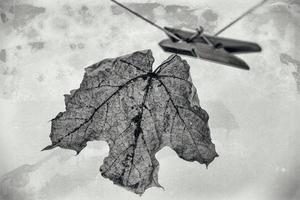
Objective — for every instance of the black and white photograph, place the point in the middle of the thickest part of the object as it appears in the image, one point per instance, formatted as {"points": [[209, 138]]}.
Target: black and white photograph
{"points": [[149, 99]]}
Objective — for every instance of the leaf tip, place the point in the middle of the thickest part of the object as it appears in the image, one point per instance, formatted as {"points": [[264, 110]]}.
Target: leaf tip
{"points": [[78, 152], [147, 51], [207, 163], [49, 147], [160, 186]]}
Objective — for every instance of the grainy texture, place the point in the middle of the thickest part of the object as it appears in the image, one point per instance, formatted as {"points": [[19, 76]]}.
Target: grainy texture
{"points": [[138, 112]]}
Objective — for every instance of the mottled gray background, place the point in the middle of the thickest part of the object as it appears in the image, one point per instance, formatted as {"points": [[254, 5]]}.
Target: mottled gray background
{"points": [[254, 115]]}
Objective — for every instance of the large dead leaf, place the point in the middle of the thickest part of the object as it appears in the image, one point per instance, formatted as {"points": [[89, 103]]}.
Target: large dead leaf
{"points": [[137, 112]]}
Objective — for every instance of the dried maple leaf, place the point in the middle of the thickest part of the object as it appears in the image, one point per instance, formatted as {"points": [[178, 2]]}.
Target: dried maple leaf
{"points": [[137, 111]]}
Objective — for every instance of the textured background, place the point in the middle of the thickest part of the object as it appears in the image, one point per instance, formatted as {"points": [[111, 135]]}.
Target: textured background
{"points": [[254, 115]]}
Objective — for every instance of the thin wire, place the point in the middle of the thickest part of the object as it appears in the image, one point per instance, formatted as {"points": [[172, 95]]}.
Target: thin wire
{"points": [[147, 20], [240, 17]]}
